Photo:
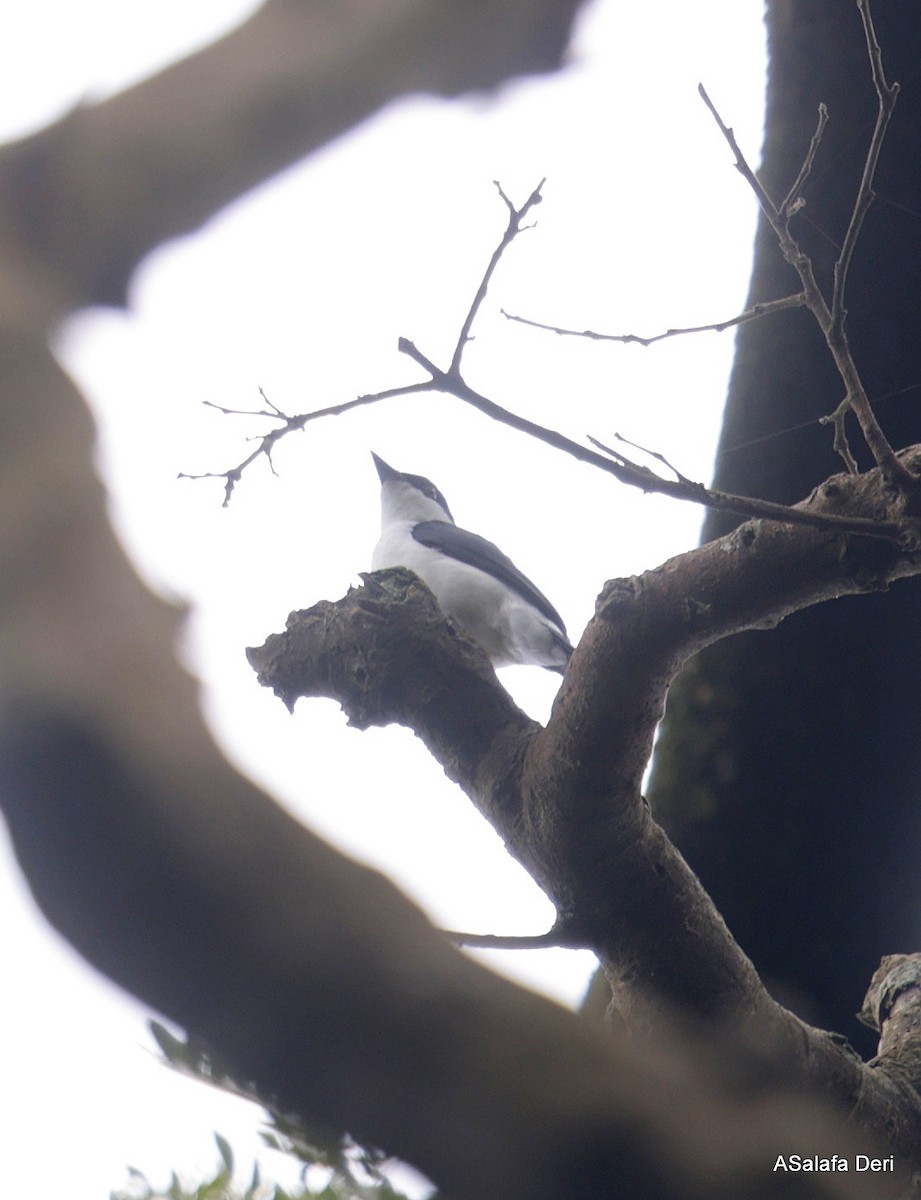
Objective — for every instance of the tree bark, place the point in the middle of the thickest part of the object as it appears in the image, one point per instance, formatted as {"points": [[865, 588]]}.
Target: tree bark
{"points": [[184, 883]]}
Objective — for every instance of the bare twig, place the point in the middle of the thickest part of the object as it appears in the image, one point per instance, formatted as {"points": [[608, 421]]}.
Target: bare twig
{"points": [[643, 450], [840, 444], [268, 441], [278, 415], [886, 96], [831, 316], [497, 941], [514, 227], [779, 219], [856, 396], [741, 164], [762, 309], [793, 200], [290, 424]]}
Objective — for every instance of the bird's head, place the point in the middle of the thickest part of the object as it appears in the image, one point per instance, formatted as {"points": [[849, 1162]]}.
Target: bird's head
{"points": [[406, 497]]}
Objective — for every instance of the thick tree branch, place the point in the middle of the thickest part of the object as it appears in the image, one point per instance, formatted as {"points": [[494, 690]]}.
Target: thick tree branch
{"points": [[307, 973], [179, 878], [86, 199], [311, 975], [583, 772], [893, 1006], [566, 799]]}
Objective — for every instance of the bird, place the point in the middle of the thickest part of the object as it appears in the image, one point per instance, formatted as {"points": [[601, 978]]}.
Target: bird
{"points": [[475, 584]]}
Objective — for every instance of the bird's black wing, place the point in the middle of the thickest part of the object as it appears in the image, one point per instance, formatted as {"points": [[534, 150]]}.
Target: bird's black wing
{"points": [[477, 552]]}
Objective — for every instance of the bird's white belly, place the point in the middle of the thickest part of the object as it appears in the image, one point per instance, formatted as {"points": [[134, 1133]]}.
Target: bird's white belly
{"points": [[507, 627]]}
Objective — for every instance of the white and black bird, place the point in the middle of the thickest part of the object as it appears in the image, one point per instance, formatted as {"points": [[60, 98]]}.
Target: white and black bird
{"points": [[472, 580]]}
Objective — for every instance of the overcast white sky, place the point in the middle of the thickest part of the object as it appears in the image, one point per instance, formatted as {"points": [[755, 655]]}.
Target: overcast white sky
{"points": [[303, 289]]}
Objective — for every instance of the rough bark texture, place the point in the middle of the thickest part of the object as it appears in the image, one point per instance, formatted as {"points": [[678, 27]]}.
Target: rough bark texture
{"points": [[788, 766], [566, 799]]}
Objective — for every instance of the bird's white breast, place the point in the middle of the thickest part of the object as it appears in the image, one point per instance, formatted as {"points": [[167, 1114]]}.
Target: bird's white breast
{"points": [[508, 628]]}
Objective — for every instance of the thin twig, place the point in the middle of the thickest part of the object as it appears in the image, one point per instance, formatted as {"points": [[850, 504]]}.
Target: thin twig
{"points": [[793, 200], [830, 316], [494, 941], [840, 444], [512, 230], [643, 450], [741, 163], [814, 299], [779, 219], [268, 441], [762, 309], [856, 397], [278, 415], [886, 96], [272, 405]]}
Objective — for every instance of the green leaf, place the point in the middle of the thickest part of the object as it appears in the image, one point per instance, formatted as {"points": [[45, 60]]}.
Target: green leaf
{"points": [[225, 1151], [173, 1049]]}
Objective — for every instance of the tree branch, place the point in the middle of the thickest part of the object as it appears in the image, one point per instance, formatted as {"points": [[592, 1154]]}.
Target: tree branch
{"points": [[493, 941], [181, 145], [886, 96], [642, 477], [793, 201], [566, 799], [623, 469], [178, 877], [830, 316], [893, 1006], [266, 442], [514, 227], [452, 383], [584, 771], [763, 309]]}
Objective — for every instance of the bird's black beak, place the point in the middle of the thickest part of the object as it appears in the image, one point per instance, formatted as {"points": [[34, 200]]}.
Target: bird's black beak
{"points": [[384, 470]]}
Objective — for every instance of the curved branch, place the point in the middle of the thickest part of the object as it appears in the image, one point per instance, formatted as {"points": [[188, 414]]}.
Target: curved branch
{"points": [[762, 309], [566, 799]]}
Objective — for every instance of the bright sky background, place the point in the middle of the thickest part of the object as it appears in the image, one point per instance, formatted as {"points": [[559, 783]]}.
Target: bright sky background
{"points": [[303, 289]]}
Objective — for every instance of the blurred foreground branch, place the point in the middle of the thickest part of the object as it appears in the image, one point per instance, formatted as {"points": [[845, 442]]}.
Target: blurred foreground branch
{"points": [[182, 881]]}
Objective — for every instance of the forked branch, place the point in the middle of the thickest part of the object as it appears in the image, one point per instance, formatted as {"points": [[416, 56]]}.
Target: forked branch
{"points": [[625, 470], [515, 226], [831, 313]]}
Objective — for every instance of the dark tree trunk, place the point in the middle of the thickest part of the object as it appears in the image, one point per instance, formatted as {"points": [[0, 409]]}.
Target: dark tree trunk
{"points": [[789, 767]]}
